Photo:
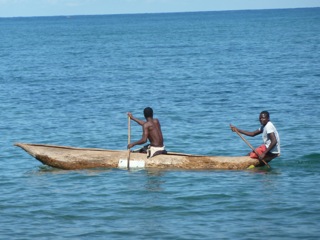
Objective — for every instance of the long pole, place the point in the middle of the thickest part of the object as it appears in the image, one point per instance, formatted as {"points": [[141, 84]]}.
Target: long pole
{"points": [[245, 140], [129, 140]]}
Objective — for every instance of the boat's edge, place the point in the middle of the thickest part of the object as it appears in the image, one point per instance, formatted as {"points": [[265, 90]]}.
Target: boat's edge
{"points": [[24, 145]]}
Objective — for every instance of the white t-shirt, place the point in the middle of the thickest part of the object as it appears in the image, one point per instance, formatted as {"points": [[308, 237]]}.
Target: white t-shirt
{"points": [[267, 129]]}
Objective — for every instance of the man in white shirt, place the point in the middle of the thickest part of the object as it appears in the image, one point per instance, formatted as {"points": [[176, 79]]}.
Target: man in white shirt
{"points": [[270, 137]]}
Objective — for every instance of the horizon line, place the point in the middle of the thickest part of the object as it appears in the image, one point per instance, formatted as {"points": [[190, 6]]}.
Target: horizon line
{"points": [[169, 12]]}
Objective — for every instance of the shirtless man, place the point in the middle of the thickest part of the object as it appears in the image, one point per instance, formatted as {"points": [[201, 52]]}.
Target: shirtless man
{"points": [[271, 141], [151, 131]]}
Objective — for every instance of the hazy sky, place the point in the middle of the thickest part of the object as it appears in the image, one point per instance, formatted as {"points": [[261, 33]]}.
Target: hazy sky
{"points": [[14, 8]]}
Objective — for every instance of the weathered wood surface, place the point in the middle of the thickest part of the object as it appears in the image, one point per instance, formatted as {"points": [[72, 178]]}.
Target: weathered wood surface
{"points": [[71, 158]]}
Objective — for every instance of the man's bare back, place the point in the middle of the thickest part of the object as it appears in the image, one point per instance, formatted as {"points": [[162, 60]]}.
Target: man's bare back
{"points": [[151, 130]]}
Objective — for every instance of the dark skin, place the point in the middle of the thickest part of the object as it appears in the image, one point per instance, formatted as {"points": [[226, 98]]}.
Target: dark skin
{"points": [[264, 119], [151, 131]]}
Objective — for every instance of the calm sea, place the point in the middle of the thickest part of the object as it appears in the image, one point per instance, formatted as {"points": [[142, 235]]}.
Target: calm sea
{"points": [[71, 81]]}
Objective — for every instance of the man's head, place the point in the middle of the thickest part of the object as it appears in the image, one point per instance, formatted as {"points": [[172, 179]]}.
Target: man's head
{"points": [[264, 117], [148, 112]]}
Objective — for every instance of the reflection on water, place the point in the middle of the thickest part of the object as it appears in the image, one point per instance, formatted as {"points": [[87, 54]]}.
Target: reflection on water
{"points": [[154, 180]]}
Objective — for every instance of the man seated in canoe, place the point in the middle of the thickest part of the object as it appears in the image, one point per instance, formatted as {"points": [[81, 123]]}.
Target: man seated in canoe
{"points": [[271, 147], [152, 132]]}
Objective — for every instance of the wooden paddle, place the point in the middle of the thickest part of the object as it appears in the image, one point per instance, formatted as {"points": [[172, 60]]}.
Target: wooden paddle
{"points": [[129, 140], [245, 140]]}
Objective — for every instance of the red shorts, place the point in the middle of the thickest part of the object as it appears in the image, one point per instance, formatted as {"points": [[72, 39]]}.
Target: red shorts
{"points": [[261, 149]]}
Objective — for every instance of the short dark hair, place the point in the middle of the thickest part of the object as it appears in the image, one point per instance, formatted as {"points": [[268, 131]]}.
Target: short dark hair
{"points": [[148, 112], [266, 113]]}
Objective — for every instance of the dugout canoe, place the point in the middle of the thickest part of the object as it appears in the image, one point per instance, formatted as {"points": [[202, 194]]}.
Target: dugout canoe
{"points": [[71, 158]]}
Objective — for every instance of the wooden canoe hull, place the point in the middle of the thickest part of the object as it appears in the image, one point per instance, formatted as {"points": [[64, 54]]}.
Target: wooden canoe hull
{"points": [[70, 158]]}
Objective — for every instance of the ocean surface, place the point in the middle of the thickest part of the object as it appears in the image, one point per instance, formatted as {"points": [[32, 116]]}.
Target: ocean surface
{"points": [[71, 81]]}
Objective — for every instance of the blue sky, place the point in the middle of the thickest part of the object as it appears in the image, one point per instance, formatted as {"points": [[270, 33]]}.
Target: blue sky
{"points": [[15, 8]]}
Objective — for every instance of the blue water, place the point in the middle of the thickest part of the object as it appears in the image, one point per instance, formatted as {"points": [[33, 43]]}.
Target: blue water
{"points": [[71, 81]]}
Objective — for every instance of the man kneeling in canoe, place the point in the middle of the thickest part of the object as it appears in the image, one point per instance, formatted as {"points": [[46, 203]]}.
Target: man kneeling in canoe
{"points": [[271, 141], [152, 132]]}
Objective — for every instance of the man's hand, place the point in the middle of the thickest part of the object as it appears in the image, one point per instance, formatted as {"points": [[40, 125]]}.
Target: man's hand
{"points": [[130, 115], [233, 128], [130, 145]]}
